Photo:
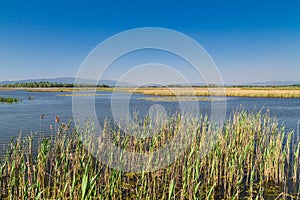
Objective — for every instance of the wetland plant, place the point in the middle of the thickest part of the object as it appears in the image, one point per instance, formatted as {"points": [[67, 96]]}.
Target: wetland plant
{"points": [[251, 157]]}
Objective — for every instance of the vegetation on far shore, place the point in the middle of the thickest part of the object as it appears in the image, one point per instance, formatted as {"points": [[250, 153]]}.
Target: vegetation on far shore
{"points": [[250, 157], [260, 92], [230, 91], [80, 95], [47, 84], [267, 92], [174, 98]]}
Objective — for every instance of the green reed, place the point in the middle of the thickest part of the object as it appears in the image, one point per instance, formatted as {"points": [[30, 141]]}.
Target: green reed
{"points": [[9, 100], [249, 157]]}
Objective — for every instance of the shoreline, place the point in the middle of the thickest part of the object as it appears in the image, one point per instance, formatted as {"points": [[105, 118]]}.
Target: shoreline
{"points": [[258, 92]]}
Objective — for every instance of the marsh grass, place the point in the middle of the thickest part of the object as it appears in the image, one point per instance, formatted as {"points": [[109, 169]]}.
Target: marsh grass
{"points": [[251, 158], [181, 98], [67, 89], [266, 92], [241, 91], [62, 89], [80, 95], [9, 100]]}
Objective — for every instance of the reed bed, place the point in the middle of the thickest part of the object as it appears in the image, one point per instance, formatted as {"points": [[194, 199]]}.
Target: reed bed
{"points": [[80, 95], [55, 89], [268, 92], [251, 157], [174, 98], [68, 89], [263, 92], [9, 100]]}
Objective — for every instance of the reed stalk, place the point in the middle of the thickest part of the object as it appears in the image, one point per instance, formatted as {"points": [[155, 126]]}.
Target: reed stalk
{"points": [[250, 153]]}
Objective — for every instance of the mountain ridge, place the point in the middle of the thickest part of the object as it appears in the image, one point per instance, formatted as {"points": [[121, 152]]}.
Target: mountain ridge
{"points": [[67, 80], [114, 82]]}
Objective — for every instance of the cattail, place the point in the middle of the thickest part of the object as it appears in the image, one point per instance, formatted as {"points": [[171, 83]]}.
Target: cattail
{"points": [[56, 119], [65, 127]]}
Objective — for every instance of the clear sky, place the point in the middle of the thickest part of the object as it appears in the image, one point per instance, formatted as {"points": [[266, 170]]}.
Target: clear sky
{"points": [[250, 41]]}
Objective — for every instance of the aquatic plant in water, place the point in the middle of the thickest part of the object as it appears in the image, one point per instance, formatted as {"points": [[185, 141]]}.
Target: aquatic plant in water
{"points": [[252, 157], [9, 100]]}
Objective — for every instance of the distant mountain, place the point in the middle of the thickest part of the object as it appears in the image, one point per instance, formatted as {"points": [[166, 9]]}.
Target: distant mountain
{"points": [[68, 80], [114, 83]]}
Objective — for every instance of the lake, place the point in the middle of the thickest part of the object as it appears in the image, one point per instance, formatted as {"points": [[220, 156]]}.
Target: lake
{"points": [[24, 116]]}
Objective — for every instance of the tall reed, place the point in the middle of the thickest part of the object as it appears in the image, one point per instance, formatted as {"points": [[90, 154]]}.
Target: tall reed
{"points": [[250, 157]]}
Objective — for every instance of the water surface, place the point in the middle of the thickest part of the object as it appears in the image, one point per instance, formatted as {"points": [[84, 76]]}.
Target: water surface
{"points": [[24, 117]]}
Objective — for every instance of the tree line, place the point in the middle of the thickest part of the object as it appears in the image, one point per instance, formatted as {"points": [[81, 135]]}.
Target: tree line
{"points": [[47, 84]]}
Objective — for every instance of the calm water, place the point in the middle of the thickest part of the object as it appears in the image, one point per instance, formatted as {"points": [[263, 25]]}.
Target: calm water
{"points": [[24, 117]]}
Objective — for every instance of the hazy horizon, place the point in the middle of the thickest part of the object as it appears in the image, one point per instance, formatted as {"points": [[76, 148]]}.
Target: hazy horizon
{"points": [[166, 83]]}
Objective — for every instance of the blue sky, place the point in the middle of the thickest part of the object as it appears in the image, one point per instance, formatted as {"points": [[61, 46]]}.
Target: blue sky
{"points": [[250, 41]]}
